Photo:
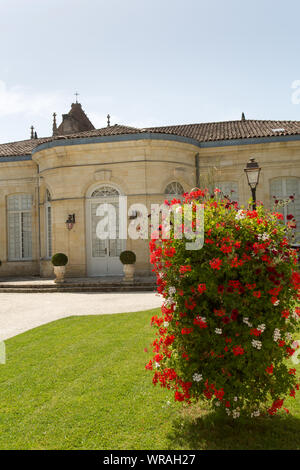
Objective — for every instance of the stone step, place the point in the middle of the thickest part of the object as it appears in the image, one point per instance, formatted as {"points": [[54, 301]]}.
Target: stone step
{"points": [[55, 288]]}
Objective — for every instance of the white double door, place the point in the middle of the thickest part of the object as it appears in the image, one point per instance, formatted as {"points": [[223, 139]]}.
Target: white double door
{"points": [[103, 255]]}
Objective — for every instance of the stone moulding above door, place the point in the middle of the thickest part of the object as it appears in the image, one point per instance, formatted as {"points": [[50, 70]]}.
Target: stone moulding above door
{"points": [[102, 175]]}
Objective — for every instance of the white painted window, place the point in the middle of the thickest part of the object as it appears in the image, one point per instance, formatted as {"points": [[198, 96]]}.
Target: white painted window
{"points": [[174, 189], [229, 189], [48, 225], [19, 223], [281, 189]]}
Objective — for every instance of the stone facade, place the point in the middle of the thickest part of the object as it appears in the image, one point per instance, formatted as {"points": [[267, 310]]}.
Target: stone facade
{"points": [[137, 165]]}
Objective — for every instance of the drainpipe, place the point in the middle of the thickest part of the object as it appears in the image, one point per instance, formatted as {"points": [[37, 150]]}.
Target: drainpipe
{"points": [[39, 216], [197, 168]]}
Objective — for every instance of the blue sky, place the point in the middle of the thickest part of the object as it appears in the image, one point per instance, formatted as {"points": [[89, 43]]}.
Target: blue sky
{"points": [[146, 63]]}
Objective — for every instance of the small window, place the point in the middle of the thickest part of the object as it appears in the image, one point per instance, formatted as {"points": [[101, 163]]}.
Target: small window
{"points": [[229, 189], [19, 223], [283, 189], [174, 189]]}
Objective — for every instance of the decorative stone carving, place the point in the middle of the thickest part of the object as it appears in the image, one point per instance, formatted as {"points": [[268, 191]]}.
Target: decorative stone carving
{"points": [[179, 172], [102, 175]]}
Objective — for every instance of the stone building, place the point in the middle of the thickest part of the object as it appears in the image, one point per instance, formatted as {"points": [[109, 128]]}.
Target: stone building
{"points": [[43, 181]]}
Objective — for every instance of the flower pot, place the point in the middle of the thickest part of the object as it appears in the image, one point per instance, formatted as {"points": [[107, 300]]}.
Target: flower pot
{"points": [[59, 272], [128, 272]]}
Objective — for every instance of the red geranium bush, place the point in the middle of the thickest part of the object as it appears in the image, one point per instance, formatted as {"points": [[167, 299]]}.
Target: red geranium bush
{"points": [[229, 313]]}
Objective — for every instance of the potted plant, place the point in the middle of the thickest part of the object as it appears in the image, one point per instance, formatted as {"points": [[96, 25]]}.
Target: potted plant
{"points": [[59, 261], [128, 259]]}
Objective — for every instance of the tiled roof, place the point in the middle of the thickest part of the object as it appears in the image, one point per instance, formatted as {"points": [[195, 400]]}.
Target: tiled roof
{"points": [[23, 147], [213, 131], [205, 132]]}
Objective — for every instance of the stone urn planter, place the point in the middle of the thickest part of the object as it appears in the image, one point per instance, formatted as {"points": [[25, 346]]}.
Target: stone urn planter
{"points": [[59, 272], [59, 261], [128, 272], [128, 259]]}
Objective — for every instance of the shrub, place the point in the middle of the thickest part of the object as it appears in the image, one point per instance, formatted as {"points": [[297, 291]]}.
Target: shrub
{"points": [[127, 257], [59, 259], [229, 311]]}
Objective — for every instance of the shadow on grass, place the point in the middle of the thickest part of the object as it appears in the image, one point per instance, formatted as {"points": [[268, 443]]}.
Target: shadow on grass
{"points": [[197, 429]]}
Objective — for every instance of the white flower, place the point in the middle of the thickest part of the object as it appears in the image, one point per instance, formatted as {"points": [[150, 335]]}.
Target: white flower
{"points": [[172, 290], [197, 377], [166, 324], [256, 344], [261, 327], [240, 215], [235, 413], [235, 399], [276, 303], [254, 414], [276, 334], [218, 331], [265, 236], [157, 365], [228, 411], [217, 403], [246, 321]]}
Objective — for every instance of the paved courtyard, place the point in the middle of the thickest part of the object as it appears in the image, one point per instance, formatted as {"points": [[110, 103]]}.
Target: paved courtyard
{"points": [[21, 312]]}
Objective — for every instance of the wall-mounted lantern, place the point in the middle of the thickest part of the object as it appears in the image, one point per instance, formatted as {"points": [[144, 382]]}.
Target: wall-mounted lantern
{"points": [[133, 215], [70, 222]]}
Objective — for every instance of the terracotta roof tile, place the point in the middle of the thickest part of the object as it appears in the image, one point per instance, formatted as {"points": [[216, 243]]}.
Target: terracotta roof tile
{"points": [[205, 132]]}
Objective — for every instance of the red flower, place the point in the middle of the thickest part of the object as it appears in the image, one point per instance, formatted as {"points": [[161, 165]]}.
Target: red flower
{"points": [[238, 350], [201, 288], [201, 323], [285, 313], [292, 371], [257, 294], [184, 269], [234, 314], [270, 369], [255, 332], [179, 396], [186, 331], [215, 263]]}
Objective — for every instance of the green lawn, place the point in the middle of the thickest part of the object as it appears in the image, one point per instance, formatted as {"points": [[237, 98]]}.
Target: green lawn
{"points": [[80, 383]]}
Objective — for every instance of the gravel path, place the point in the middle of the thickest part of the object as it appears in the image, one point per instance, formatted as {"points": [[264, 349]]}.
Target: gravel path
{"points": [[21, 312]]}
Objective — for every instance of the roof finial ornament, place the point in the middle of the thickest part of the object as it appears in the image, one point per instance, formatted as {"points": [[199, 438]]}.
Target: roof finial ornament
{"points": [[54, 126], [76, 94], [108, 120], [243, 117], [32, 133]]}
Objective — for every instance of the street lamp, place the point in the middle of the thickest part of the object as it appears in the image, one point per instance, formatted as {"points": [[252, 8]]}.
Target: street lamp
{"points": [[252, 171]]}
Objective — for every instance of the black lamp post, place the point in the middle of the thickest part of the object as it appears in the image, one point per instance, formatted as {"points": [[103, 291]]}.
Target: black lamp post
{"points": [[252, 171]]}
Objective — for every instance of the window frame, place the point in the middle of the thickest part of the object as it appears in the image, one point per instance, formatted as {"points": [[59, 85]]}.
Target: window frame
{"points": [[20, 213]]}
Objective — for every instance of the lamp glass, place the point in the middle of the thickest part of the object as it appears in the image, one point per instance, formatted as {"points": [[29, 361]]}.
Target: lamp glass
{"points": [[253, 176]]}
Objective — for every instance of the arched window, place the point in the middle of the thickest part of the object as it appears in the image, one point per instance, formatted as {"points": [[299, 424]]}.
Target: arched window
{"points": [[48, 224], [229, 189], [19, 223], [282, 189], [174, 189], [105, 191]]}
